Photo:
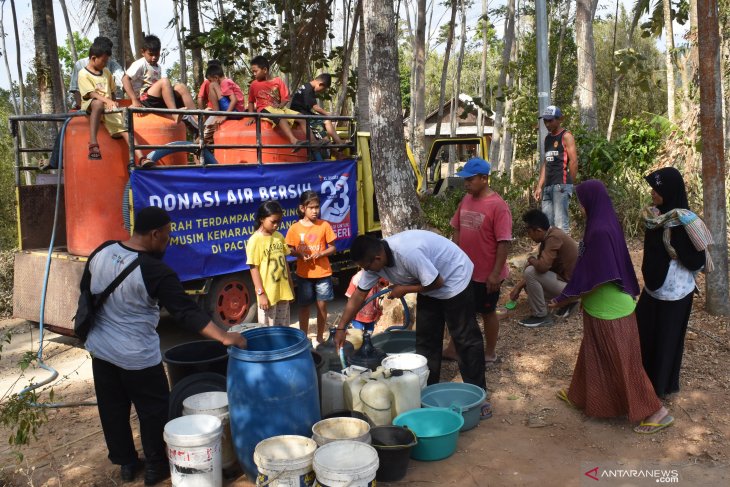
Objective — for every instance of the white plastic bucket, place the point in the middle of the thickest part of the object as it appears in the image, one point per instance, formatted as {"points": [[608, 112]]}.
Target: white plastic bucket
{"points": [[409, 361], [334, 429], [194, 450], [345, 464], [214, 404], [285, 461]]}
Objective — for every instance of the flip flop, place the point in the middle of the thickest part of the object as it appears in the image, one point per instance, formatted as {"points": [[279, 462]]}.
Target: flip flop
{"points": [[563, 396], [665, 422], [146, 162], [300, 144], [485, 412]]}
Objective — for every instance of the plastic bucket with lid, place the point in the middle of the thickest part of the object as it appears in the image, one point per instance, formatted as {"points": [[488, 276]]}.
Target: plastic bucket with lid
{"points": [[195, 357], [418, 364], [394, 444], [437, 430], [334, 429], [345, 464], [285, 461], [214, 404], [467, 398], [194, 450]]}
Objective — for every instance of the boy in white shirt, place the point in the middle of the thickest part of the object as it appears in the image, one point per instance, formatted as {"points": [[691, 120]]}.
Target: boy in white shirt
{"points": [[145, 86]]}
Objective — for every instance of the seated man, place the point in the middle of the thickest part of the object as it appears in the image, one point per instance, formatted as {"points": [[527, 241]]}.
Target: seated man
{"points": [[546, 275]]}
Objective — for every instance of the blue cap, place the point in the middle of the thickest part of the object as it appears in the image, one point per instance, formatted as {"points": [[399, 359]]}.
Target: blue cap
{"points": [[550, 113], [474, 166]]}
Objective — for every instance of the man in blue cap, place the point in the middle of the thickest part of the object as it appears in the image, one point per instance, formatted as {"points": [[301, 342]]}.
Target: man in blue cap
{"points": [[558, 171], [483, 230]]}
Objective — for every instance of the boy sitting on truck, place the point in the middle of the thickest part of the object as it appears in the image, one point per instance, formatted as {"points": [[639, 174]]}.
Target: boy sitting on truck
{"points": [[223, 95], [96, 87], [145, 86], [305, 102], [269, 95]]}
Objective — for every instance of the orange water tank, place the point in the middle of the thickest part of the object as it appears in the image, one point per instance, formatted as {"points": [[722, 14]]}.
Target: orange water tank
{"points": [[93, 189], [152, 129], [239, 132]]}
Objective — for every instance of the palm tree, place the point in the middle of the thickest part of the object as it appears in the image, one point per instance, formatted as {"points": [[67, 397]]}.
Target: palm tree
{"points": [[196, 53], [46, 66], [69, 32], [509, 35], [445, 68]]}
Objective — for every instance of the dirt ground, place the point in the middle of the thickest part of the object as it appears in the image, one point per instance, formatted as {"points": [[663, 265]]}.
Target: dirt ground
{"points": [[533, 438]]}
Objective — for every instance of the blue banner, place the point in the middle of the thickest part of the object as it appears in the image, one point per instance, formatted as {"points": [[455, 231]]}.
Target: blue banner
{"points": [[213, 208]]}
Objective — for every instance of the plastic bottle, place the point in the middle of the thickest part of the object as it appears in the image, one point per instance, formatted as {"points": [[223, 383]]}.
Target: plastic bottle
{"points": [[377, 402], [406, 389], [333, 392]]}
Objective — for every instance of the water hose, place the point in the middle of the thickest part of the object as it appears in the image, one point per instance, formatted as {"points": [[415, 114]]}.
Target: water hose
{"points": [[39, 355]]}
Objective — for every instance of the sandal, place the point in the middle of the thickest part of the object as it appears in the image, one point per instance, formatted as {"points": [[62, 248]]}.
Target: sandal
{"points": [[146, 162], [94, 152], [563, 396], [486, 411], [300, 145], [654, 427]]}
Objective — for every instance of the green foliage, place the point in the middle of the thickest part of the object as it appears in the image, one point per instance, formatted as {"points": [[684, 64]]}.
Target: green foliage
{"points": [[440, 208], [7, 260], [64, 54], [8, 226], [19, 414]]}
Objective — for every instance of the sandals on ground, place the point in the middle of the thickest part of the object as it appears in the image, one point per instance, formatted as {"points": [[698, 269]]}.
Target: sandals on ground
{"points": [[94, 152], [486, 411]]}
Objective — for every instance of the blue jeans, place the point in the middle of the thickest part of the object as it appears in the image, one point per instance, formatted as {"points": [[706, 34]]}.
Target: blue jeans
{"points": [[555, 199]]}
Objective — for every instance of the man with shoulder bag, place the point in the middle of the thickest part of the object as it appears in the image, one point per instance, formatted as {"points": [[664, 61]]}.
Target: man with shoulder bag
{"points": [[123, 341]]}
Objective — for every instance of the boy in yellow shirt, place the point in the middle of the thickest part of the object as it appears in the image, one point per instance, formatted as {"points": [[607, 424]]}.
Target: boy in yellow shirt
{"points": [[96, 87]]}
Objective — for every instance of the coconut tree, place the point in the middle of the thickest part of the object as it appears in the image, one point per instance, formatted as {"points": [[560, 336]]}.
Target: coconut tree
{"points": [[196, 53], [509, 35], [396, 196], [586, 61], [46, 63], [445, 67], [69, 32]]}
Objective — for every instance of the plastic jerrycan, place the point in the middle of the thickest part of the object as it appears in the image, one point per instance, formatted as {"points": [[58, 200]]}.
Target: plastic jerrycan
{"points": [[406, 389], [333, 392], [377, 401], [356, 378]]}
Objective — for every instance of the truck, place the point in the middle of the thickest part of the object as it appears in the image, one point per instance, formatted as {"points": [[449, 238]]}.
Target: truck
{"points": [[210, 191]]}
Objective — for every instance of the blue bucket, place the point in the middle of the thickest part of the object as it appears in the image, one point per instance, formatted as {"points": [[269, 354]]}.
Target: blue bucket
{"points": [[272, 390], [466, 398], [437, 430]]}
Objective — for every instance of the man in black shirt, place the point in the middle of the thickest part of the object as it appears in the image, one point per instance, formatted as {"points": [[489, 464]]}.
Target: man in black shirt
{"points": [[125, 347], [558, 171], [304, 101]]}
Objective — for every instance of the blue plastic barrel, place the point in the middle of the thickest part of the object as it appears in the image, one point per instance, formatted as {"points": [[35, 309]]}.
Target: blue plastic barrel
{"points": [[272, 390]]}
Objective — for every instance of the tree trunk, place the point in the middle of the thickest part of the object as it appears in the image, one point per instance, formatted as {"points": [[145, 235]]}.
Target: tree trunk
{"points": [[559, 53], [16, 109], [197, 53], [713, 157], [347, 59], [181, 47], [396, 196], [69, 32], [445, 68], [614, 106], [46, 57], [508, 108], [411, 123], [147, 17], [137, 32], [586, 60], [126, 37], [20, 105], [483, 68], [509, 35], [109, 26], [453, 156], [724, 6], [419, 91], [669, 64], [363, 104]]}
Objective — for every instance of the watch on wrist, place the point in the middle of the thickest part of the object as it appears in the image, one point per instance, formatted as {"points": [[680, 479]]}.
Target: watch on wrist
{"points": [[259, 292]]}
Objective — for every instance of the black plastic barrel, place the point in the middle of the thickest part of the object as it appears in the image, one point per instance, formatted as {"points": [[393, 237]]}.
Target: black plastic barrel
{"points": [[393, 444], [194, 358]]}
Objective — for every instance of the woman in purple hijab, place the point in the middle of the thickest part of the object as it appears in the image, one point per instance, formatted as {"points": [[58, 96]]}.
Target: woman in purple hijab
{"points": [[608, 379]]}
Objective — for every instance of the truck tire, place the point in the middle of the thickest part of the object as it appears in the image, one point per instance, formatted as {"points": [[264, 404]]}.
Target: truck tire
{"points": [[232, 300]]}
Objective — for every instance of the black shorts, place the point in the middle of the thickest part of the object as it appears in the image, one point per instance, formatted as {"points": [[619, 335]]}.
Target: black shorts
{"points": [[484, 302], [150, 101]]}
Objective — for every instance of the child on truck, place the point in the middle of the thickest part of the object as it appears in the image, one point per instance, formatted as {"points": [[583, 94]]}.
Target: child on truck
{"points": [[145, 86], [266, 253], [269, 95], [223, 95], [311, 241], [305, 102], [96, 89]]}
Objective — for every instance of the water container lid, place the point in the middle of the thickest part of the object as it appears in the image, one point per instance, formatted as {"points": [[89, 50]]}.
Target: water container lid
{"points": [[396, 372]]}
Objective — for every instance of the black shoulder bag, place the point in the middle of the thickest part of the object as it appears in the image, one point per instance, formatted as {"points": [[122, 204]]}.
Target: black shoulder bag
{"points": [[89, 303]]}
